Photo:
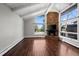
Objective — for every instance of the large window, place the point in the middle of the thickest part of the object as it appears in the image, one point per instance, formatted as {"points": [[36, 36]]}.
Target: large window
{"points": [[69, 22], [39, 24], [63, 21]]}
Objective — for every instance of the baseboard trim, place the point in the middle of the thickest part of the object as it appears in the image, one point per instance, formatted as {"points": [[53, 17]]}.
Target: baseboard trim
{"points": [[10, 46], [30, 37], [33, 36]]}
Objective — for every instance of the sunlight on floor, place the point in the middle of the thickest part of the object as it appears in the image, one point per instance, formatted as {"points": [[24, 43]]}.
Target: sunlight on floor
{"points": [[39, 47]]}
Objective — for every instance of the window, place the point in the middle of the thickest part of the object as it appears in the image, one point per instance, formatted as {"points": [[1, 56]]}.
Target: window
{"points": [[72, 12], [69, 13], [63, 22], [72, 20], [69, 22], [63, 34], [39, 24], [74, 36], [72, 25]]}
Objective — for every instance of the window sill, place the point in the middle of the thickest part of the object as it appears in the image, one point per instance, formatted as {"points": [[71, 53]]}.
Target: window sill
{"points": [[39, 33]]}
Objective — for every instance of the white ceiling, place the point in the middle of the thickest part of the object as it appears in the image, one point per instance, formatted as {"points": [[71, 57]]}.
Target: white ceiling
{"points": [[30, 10], [61, 6]]}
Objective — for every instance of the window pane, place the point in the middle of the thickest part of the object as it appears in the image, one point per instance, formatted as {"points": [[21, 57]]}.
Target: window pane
{"points": [[63, 34], [72, 25], [72, 28], [39, 24], [72, 14], [39, 19], [39, 28], [74, 36], [63, 17], [63, 22], [63, 28]]}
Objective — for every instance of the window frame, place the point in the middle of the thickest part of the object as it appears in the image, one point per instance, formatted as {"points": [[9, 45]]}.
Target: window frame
{"points": [[65, 22], [38, 23]]}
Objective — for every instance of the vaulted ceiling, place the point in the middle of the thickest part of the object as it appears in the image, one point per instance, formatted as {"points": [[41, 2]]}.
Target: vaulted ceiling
{"points": [[30, 10]]}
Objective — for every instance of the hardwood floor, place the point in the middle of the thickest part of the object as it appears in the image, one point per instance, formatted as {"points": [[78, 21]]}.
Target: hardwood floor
{"points": [[49, 46]]}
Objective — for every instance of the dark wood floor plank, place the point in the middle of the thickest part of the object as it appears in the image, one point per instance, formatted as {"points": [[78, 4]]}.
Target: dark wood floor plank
{"points": [[49, 46]]}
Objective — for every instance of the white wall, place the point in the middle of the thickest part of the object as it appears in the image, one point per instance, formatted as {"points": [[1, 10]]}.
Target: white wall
{"points": [[11, 28], [29, 28]]}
